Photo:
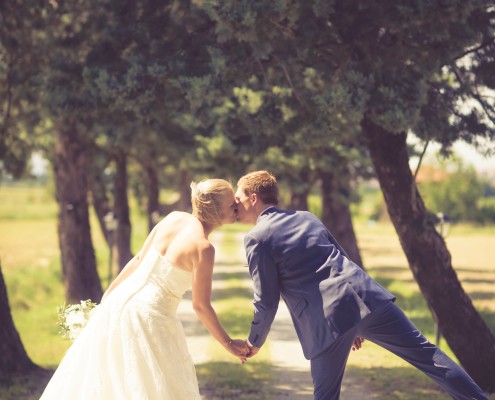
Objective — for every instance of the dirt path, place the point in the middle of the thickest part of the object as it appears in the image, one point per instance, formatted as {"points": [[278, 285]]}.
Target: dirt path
{"points": [[292, 378]]}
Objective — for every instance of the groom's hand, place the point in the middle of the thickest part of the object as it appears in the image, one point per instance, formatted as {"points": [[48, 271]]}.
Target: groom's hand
{"points": [[357, 344], [252, 349]]}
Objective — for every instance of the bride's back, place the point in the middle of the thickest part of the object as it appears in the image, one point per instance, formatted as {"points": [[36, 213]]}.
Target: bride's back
{"points": [[180, 237]]}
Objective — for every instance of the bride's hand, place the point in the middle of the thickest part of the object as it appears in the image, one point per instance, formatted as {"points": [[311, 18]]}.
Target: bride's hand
{"points": [[239, 348]]}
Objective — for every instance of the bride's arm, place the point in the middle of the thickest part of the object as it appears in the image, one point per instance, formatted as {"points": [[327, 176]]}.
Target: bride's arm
{"points": [[131, 265], [201, 301]]}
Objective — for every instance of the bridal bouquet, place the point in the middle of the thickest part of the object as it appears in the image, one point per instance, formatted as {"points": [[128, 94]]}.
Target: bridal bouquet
{"points": [[74, 317]]}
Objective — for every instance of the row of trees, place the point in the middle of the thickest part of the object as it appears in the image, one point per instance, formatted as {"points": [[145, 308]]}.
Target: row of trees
{"points": [[316, 91], [458, 192]]}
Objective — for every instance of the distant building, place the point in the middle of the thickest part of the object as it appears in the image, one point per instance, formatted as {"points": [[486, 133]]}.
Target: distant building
{"points": [[429, 173]]}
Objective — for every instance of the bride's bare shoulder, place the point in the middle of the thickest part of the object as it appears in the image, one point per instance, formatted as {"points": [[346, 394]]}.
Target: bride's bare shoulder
{"points": [[177, 221], [182, 226], [178, 215]]}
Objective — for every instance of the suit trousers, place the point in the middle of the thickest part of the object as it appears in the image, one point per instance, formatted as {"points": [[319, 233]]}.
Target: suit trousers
{"points": [[389, 328]]}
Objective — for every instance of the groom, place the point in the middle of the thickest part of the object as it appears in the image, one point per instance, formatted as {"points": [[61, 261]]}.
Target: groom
{"points": [[332, 301]]}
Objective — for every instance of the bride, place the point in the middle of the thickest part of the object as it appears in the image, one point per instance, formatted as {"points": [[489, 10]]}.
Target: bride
{"points": [[134, 346]]}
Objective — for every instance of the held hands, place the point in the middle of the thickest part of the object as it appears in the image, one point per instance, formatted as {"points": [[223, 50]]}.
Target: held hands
{"points": [[238, 348], [252, 350], [357, 344], [241, 349]]}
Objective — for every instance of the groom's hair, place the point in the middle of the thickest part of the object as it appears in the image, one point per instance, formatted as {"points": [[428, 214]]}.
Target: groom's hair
{"points": [[263, 184]]}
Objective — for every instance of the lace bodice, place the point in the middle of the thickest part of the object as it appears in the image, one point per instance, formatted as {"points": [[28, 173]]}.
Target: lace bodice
{"points": [[159, 284], [173, 279]]}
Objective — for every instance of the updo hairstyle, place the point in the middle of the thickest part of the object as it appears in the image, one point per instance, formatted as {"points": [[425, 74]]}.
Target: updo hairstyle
{"points": [[206, 199]]}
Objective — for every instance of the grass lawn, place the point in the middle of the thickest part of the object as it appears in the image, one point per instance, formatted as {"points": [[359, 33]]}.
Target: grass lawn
{"points": [[31, 266], [470, 248]]}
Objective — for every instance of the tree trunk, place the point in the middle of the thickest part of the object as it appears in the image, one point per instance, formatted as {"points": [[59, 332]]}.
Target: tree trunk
{"points": [[14, 359], [101, 203], [336, 215], [300, 184], [121, 210], [153, 195], [184, 203], [429, 259], [299, 201], [78, 258]]}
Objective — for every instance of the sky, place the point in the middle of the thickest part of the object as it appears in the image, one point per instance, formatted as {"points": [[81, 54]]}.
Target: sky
{"points": [[482, 164]]}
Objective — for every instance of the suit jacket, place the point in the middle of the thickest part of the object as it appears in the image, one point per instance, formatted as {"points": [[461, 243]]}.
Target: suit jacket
{"points": [[293, 255]]}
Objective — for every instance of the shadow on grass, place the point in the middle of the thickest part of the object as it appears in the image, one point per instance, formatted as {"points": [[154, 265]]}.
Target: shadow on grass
{"points": [[226, 276], [192, 327], [377, 250], [228, 293], [390, 384], [254, 381], [226, 380], [230, 264], [489, 318], [385, 269], [474, 281], [236, 320], [391, 272], [297, 384], [27, 386], [482, 296], [474, 270], [416, 303]]}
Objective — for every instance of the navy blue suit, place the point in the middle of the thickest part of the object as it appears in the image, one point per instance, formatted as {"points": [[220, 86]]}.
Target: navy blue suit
{"points": [[292, 255]]}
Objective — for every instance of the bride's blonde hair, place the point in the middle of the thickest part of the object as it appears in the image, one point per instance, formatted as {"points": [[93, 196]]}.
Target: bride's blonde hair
{"points": [[206, 199]]}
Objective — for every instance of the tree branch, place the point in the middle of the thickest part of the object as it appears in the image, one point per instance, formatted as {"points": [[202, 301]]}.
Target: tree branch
{"points": [[487, 108], [489, 42], [284, 29], [421, 159], [287, 76], [265, 77]]}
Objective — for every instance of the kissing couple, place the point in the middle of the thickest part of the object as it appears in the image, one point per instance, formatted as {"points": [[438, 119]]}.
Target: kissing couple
{"points": [[134, 346]]}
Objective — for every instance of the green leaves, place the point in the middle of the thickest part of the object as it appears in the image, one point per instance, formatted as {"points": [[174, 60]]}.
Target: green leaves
{"points": [[280, 73]]}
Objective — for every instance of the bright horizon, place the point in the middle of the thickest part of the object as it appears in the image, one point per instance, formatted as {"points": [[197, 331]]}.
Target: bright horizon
{"points": [[483, 165]]}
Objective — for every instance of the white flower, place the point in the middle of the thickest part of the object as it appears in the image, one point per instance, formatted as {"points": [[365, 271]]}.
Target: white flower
{"points": [[92, 311], [73, 318], [74, 332]]}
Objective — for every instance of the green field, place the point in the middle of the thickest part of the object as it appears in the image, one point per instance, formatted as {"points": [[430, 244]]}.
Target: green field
{"points": [[31, 267]]}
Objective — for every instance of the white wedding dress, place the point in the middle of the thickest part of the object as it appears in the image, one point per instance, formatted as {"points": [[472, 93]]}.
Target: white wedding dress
{"points": [[134, 346]]}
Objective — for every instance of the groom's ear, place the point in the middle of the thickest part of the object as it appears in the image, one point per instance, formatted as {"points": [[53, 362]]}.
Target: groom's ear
{"points": [[253, 198]]}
